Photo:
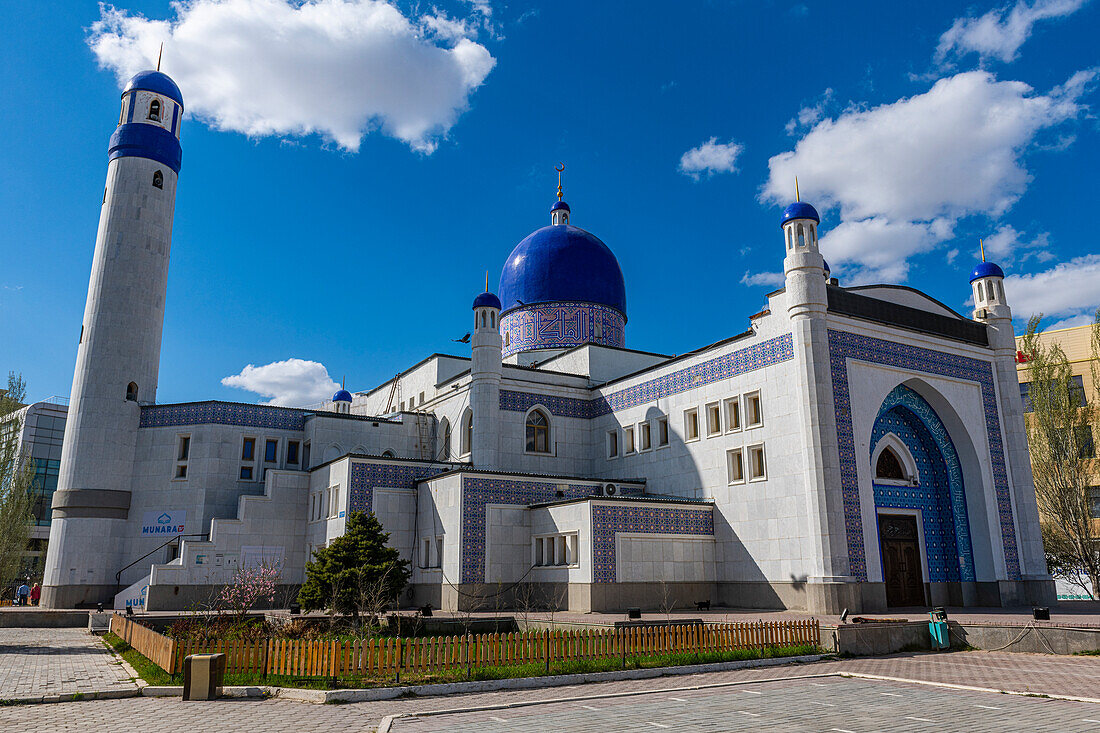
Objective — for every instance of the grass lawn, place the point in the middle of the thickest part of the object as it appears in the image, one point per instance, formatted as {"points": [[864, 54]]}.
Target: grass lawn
{"points": [[154, 675]]}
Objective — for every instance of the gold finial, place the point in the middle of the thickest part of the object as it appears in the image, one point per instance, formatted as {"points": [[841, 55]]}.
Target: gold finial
{"points": [[343, 381], [560, 168], [981, 246], [486, 281], [159, 54], [797, 195]]}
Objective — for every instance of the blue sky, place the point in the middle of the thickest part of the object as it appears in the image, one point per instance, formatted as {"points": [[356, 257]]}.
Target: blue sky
{"points": [[352, 169]]}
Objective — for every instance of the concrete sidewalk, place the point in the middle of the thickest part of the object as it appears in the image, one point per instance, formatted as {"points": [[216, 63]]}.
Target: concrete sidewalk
{"points": [[44, 663]]}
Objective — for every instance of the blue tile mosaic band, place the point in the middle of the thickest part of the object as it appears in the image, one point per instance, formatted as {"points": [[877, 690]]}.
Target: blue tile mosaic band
{"points": [[610, 519], [940, 495], [366, 477], [844, 346], [561, 326], [477, 492], [750, 358], [224, 413]]}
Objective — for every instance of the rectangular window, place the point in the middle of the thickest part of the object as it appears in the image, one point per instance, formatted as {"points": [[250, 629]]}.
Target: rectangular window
{"points": [[181, 470], [756, 462], [662, 432], [754, 415], [540, 558], [1094, 501], [248, 449], [305, 455], [1086, 448], [271, 451], [628, 440], [425, 552], [714, 419], [559, 551], [439, 551], [333, 501], [733, 414], [185, 447], [691, 424], [613, 444], [556, 550], [735, 462], [292, 452], [422, 398], [246, 473], [643, 436]]}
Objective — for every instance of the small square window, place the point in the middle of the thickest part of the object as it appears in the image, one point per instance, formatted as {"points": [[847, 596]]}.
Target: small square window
{"points": [[691, 424], [248, 449], [181, 470], [628, 440], [714, 419], [644, 441], [292, 452], [422, 398], [756, 462], [735, 463], [246, 473], [754, 414], [662, 432], [733, 414], [1094, 501], [613, 444], [185, 447], [271, 451]]}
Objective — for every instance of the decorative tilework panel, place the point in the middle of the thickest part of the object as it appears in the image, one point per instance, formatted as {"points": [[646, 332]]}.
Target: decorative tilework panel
{"points": [[478, 491], [366, 477], [939, 495], [224, 413], [561, 326], [610, 519], [750, 358], [844, 346]]}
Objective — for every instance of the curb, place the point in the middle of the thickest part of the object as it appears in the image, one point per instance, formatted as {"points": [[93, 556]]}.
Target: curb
{"points": [[319, 697], [71, 697]]}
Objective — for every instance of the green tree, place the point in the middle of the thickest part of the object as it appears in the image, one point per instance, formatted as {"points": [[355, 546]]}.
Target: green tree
{"points": [[16, 474], [1060, 431], [357, 573]]}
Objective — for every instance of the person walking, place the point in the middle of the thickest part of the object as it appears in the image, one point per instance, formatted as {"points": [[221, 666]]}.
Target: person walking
{"points": [[22, 593], [36, 593]]}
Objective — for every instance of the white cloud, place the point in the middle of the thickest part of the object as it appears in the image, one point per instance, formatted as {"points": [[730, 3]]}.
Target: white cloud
{"points": [[902, 174], [811, 115], [770, 279], [1069, 290], [711, 157], [293, 382], [338, 68], [999, 33], [1007, 246]]}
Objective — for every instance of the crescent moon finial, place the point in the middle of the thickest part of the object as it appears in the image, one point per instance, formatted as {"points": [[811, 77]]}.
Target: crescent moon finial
{"points": [[560, 168]]}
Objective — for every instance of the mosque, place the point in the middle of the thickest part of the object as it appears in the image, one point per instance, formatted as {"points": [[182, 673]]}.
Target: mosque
{"points": [[854, 447]]}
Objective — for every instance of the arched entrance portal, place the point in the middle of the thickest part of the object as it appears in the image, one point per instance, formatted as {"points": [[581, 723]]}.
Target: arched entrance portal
{"points": [[924, 535]]}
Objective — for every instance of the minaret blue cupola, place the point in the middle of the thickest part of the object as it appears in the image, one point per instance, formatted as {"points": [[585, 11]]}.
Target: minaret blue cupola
{"points": [[149, 127], [561, 287], [486, 300], [799, 210], [342, 396], [986, 269]]}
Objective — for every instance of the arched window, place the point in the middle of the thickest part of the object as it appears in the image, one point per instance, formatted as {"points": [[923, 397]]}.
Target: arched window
{"points": [[538, 432], [445, 431], [158, 180], [492, 320], [154, 110], [467, 432], [889, 466], [387, 454], [507, 338], [1000, 290], [801, 237], [131, 391], [980, 296]]}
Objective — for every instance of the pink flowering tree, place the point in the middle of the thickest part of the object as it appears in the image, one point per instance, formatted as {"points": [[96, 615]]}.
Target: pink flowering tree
{"points": [[250, 586]]}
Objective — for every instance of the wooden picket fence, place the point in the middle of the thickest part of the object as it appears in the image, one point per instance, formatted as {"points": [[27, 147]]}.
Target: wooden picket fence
{"points": [[158, 648], [390, 657]]}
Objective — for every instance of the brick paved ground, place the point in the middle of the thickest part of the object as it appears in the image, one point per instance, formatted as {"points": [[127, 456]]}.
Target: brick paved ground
{"points": [[40, 662], [1077, 676], [824, 704]]}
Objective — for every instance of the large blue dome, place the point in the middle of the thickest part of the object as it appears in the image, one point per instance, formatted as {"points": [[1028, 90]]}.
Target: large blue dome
{"points": [[986, 269], [155, 81], [799, 210], [560, 263]]}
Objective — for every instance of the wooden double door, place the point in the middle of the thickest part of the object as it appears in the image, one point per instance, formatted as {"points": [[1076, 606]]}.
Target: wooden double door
{"points": [[901, 561]]}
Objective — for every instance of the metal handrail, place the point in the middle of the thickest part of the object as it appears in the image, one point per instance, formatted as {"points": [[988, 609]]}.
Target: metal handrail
{"points": [[118, 575]]}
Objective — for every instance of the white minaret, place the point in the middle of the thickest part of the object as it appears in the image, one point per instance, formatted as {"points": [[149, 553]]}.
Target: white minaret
{"points": [[806, 296], [118, 356], [485, 369], [991, 308]]}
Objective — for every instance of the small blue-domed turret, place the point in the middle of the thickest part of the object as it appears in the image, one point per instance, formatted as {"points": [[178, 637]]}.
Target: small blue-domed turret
{"points": [[342, 396], [152, 109], [486, 300], [986, 269], [799, 210], [559, 205], [827, 270]]}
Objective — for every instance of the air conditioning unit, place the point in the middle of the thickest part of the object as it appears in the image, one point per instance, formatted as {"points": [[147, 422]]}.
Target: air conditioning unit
{"points": [[610, 490]]}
